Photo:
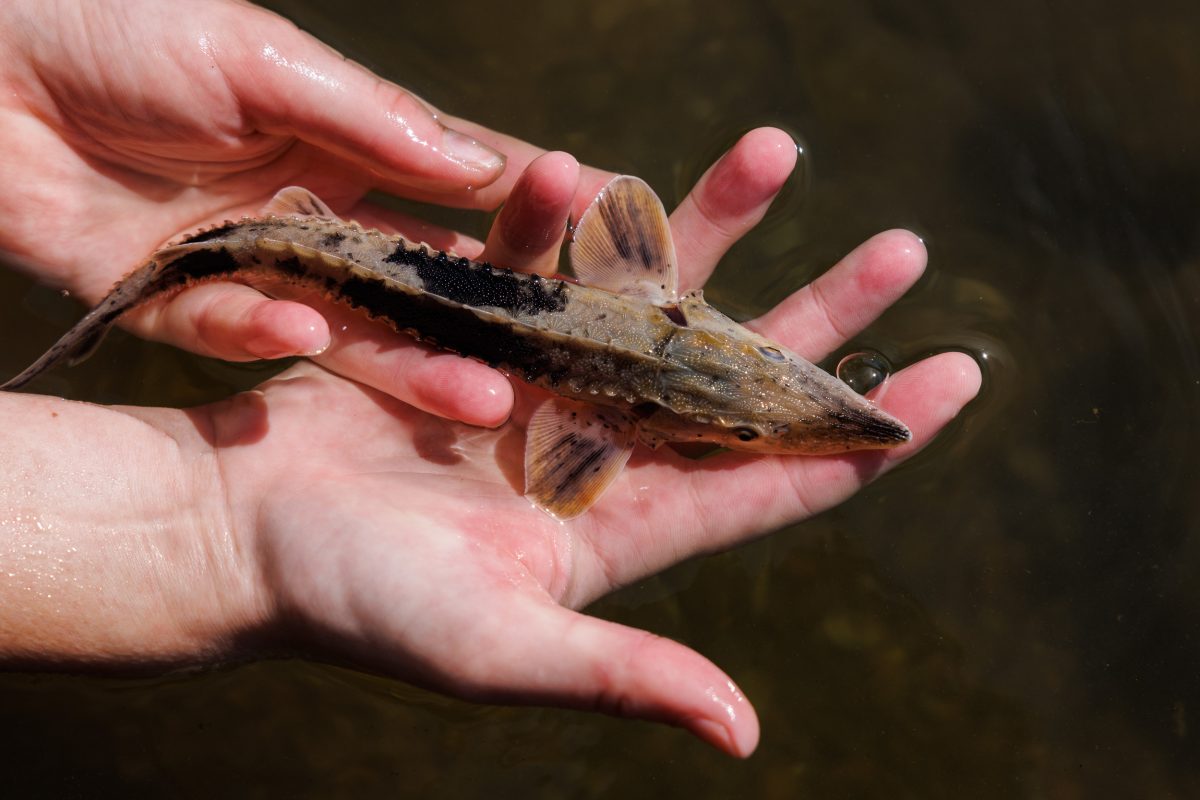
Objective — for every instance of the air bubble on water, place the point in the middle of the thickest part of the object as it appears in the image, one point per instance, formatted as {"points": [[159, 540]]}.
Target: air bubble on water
{"points": [[863, 370]]}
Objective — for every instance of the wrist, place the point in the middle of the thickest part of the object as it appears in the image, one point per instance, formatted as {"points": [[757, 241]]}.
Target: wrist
{"points": [[118, 541]]}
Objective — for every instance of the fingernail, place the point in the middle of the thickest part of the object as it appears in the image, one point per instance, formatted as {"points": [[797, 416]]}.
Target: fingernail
{"points": [[470, 152], [316, 351], [269, 348], [714, 733]]}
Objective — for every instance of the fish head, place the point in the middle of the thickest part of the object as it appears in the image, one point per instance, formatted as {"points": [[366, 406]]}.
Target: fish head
{"points": [[729, 386]]}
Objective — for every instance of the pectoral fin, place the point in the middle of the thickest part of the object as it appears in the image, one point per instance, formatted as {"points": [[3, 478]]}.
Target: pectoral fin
{"points": [[573, 451], [623, 243]]}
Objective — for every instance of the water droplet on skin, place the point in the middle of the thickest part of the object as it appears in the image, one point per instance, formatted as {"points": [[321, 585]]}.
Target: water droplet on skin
{"points": [[863, 370]]}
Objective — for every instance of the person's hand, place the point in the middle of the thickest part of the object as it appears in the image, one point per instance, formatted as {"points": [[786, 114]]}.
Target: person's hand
{"points": [[127, 124], [336, 521], [402, 543]]}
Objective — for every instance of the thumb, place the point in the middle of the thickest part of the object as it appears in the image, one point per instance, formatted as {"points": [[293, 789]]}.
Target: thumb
{"points": [[290, 83], [569, 659]]}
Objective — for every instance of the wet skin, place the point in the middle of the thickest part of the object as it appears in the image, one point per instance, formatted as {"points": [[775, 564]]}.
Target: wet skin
{"points": [[377, 535]]}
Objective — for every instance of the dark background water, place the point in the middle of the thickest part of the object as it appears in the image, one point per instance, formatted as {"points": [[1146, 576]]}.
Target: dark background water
{"points": [[1014, 614]]}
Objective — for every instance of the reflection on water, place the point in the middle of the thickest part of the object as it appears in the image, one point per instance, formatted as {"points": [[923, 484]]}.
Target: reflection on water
{"points": [[1014, 614]]}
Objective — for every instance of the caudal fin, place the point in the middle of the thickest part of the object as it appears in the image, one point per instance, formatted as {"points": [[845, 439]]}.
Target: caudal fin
{"points": [[82, 340]]}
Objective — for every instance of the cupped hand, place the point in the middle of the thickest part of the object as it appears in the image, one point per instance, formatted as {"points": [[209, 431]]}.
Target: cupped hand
{"points": [[402, 543], [381, 534], [127, 124]]}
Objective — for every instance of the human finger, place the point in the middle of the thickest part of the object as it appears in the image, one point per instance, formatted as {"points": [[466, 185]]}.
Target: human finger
{"points": [[289, 83], [518, 156], [528, 232], [819, 317], [233, 322], [440, 383], [728, 200], [782, 489], [564, 658], [690, 507]]}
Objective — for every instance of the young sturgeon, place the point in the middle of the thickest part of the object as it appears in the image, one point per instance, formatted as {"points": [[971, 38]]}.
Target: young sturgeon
{"points": [[628, 358]]}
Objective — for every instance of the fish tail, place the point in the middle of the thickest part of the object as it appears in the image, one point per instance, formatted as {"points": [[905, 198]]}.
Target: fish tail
{"points": [[85, 337]]}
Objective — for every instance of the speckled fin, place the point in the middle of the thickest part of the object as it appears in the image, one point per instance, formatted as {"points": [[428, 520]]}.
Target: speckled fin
{"points": [[296, 201], [573, 451], [623, 243]]}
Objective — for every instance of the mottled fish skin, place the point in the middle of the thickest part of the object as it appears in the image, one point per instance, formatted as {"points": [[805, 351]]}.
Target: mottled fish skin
{"points": [[685, 372]]}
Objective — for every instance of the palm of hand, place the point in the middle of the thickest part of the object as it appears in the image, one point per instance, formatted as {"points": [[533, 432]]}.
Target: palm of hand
{"points": [[402, 542], [384, 535]]}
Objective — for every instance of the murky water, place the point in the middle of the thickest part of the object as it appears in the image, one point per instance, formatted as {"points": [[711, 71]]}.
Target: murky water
{"points": [[1014, 614]]}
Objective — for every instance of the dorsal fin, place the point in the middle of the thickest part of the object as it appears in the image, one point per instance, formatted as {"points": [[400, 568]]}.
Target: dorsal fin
{"points": [[623, 243], [296, 201]]}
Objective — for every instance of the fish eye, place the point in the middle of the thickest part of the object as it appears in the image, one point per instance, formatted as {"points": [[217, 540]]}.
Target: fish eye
{"points": [[773, 353], [745, 434]]}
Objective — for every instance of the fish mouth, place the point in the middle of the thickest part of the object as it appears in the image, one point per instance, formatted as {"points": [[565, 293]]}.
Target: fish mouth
{"points": [[869, 428], [832, 431], [839, 430]]}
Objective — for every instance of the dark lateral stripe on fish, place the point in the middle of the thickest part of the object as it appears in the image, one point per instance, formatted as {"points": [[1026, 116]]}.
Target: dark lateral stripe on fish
{"points": [[630, 359], [480, 284], [622, 340], [450, 310], [203, 265], [452, 324]]}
